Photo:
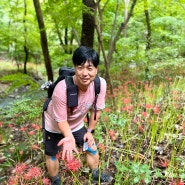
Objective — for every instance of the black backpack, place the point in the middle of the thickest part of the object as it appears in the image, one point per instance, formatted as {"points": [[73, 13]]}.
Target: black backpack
{"points": [[72, 91]]}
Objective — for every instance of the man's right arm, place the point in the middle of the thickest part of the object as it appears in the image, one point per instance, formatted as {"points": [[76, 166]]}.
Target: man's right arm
{"points": [[68, 142]]}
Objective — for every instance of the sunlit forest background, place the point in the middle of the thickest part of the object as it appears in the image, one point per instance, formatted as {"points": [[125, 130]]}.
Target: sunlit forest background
{"points": [[141, 44]]}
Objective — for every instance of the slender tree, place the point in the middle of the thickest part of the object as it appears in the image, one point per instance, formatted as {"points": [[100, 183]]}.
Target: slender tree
{"points": [[114, 38], [44, 42], [87, 37], [126, 2], [148, 34], [25, 38]]}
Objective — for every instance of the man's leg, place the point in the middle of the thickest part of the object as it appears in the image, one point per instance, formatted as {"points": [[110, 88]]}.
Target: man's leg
{"points": [[51, 149], [52, 165], [93, 162], [93, 159]]}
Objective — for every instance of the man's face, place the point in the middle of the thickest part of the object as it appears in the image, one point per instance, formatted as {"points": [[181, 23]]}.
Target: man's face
{"points": [[85, 74]]}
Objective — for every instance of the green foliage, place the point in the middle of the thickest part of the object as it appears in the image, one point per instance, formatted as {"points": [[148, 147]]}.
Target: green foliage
{"points": [[146, 116], [21, 121], [25, 110], [19, 79], [133, 173]]}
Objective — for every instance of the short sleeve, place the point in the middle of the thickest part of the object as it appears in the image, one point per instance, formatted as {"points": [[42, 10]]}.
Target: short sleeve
{"points": [[59, 102], [101, 97]]}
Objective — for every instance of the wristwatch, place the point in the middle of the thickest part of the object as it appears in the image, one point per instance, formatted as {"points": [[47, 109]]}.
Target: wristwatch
{"points": [[89, 130]]}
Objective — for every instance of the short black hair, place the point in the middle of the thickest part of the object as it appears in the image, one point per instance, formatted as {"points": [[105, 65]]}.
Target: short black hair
{"points": [[83, 54]]}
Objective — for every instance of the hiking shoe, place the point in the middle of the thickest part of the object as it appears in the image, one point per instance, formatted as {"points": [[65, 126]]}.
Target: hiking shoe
{"points": [[96, 175], [57, 182]]}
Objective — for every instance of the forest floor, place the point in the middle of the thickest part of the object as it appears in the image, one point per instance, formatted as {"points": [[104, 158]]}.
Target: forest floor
{"points": [[107, 155]]}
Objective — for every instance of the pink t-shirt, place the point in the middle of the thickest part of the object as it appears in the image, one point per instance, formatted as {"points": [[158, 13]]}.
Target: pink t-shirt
{"points": [[57, 110]]}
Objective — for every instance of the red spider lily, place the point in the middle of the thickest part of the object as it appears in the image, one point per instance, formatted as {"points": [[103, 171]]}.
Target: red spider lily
{"points": [[35, 147], [180, 182], [46, 181], [12, 181], [112, 135], [126, 100], [36, 127], [33, 173], [164, 163], [24, 175], [19, 169], [31, 133], [10, 125], [107, 110], [21, 152], [136, 120], [1, 123], [101, 147], [127, 108], [144, 114], [177, 182], [73, 165], [23, 129], [148, 106], [156, 110], [141, 129], [106, 118], [151, 96]]}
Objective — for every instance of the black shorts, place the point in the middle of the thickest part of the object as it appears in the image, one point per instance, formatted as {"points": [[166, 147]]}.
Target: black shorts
{"points": [[51, 140]]}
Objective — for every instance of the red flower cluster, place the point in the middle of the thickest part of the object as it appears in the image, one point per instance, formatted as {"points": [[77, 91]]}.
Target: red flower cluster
{"points": [[177, 182], [112, 135], [33, 172], [101, 147], [25, 175], [73, 165], [1, 123], [19, 169], [164, 163]]}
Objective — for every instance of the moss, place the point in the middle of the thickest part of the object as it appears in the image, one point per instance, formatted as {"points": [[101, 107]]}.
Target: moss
{"points": [[18, 80]]}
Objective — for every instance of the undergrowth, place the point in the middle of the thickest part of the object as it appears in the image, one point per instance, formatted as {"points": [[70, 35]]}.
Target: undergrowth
{"points": [[141, 140]]}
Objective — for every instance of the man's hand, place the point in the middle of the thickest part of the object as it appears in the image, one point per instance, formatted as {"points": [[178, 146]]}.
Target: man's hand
{"points": [[68, 147], [89, 138]]}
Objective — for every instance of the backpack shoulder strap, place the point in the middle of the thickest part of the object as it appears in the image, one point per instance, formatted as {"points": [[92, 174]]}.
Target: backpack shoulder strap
{"points": [[97, 85], [69, 80], [97, 91], [72, 92]]}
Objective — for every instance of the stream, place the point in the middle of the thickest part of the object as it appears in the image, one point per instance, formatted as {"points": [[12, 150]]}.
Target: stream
{"points": [[21, 93]]}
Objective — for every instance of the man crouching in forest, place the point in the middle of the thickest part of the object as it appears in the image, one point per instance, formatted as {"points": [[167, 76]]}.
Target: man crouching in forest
{"points": [[64, 131]]}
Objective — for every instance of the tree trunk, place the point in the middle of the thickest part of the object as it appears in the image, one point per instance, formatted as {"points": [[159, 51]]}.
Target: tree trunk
{"points": [[64, 46], [25, 39], [44, 42], [26, 58], [87, 37], [126, 2], [148, 36], [112, 45], [113, 40]]}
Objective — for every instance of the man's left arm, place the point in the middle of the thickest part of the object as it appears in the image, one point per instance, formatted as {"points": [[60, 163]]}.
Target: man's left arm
{"points": [[100, 104], [92, 124]]}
